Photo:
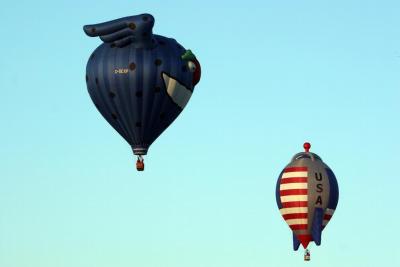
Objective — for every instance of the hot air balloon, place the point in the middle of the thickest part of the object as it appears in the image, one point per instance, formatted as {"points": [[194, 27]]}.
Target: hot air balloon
{"points": [[307, 194], [140, 82]]}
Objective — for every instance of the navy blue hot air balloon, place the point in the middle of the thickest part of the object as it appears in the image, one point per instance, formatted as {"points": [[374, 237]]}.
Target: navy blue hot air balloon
{"points": [[140, 82]]}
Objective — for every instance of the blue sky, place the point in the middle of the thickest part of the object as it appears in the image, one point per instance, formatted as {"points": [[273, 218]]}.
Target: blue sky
{"points": [[274, 74]]}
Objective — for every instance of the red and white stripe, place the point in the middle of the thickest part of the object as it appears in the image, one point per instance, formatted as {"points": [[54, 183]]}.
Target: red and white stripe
{"points": [[293, 193], [327, 216]]}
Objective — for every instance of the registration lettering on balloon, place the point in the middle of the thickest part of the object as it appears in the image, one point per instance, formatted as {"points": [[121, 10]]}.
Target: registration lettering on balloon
{"points": [[121, 71]]}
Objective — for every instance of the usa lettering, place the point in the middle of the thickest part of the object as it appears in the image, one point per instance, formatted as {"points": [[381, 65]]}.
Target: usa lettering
{"points": [[319, 188]]}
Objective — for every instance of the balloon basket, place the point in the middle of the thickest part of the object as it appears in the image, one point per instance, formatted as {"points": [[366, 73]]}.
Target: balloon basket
{"points": [[307, 255], [140, 164]]}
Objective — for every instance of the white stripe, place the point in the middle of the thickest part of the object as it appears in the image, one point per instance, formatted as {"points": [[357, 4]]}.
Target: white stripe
{"points": [[178, 92], [296, 221], [293, 210], [293, 186], [294, 174], [293, 198], [329, 211]]}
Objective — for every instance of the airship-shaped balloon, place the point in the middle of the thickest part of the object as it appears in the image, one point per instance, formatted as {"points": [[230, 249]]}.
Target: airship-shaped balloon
{"points": [[140, 82], [307, 194]]}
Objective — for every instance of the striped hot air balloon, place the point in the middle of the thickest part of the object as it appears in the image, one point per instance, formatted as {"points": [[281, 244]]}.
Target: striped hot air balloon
{"points": [[307, 194], [140, 82]]}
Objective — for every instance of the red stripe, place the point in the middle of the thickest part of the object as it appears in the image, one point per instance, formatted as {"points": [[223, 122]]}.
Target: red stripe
{"points": [[295, 216], [294, 204], [327, 217], [296, 169], [298, 226], [291, 192], [304, 239], [294, 180]]}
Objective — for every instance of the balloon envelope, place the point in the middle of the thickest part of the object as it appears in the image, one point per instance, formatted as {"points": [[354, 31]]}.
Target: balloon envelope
{"points": [[307, 194], [139, 82]]}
